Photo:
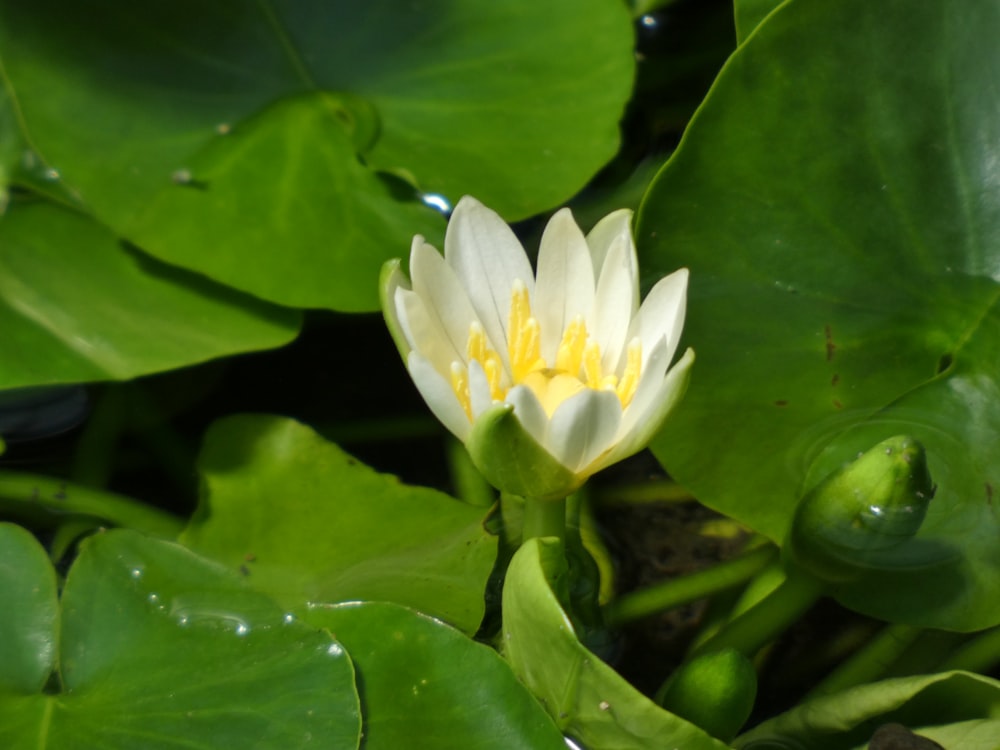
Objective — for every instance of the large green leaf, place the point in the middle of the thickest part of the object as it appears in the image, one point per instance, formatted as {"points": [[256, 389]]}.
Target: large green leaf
{"points": [[242, 138], [956, 709], [305, 522], [159, 648], [836, 200], [424, 684], [28, 601], [76, 306], [586, 697]]}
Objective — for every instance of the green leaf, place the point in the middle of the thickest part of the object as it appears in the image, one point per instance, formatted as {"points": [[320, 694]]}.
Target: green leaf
{"points": [[77, 306], [181, 139], [162, 649], [750, 14], [956, 709], [28, 601], [586, 697], [305, 522], [841, 228], [424, 684]]}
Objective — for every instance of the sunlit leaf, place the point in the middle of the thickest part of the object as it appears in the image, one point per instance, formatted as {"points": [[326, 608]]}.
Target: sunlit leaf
{"points": [[216, 135], [836, 200], [955, 709], [424, 684], [75, 305], [586, 697], [160, 649], [306, 522]]}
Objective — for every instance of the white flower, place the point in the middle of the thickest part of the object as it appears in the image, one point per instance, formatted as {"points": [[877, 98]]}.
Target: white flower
{"points": [[567, 351]]}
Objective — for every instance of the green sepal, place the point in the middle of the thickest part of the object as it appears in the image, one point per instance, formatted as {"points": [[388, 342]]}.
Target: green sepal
{"points": [[392, 278], [513, 461], [864, 515]]}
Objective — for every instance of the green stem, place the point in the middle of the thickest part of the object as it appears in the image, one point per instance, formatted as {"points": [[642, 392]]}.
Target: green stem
{"points": [[673, 593], [980, 654], [661, 491], [544, 518], [45, 498], [761, 624], [870, 662]]}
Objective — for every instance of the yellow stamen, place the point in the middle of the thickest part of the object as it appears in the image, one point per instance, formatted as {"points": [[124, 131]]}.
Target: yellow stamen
{"points": [[592, 365], [477, 348], [630, 377], [524, 341], [460, 384], [574, 340], [494, 369]]}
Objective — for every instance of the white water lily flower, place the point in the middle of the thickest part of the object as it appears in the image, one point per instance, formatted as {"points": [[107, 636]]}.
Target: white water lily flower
{"points": [[547, 377]]}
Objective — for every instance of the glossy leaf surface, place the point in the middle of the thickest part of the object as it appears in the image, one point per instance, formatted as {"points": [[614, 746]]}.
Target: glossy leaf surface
{"points": [[955, 709], [159, 648], [76, 306], [425, 684], [250, 141], [306, 522], [586, 697], [844, 261], [28, 601]]}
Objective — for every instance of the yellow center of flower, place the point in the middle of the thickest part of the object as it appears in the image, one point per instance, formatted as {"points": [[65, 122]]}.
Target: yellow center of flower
{"points": [[577, 366]]}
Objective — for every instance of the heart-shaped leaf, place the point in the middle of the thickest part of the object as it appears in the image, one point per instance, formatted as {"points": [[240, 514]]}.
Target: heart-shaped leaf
{"points": [[842, 226], [305, 522], [159, 648], [243, 140]]}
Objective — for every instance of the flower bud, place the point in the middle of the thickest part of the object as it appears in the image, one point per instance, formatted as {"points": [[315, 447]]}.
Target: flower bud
{"points": [[859, 517]]}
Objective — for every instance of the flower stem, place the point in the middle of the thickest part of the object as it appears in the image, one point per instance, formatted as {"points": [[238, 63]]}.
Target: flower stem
{"points": [[47, 499], [762, 623], [689, 588], [979, 654], [870, 662], [544, 518]]}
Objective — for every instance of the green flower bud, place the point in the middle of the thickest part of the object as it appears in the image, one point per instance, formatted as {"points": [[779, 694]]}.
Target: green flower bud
{"points": [[859, 517], [713, 691]]}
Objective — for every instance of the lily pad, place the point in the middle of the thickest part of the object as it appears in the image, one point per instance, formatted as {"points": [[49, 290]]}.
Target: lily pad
{"points": [[28, 599], [588, 699], [191, 123], [76, 306], [425, 684], [159, 648], [842, 227], [956, 709], [306, 522]]}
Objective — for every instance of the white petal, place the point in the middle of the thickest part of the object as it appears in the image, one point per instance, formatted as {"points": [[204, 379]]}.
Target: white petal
{"points": [[439, 395], [653, 372], [529, 412], [479, 389], [616, 226], [583, 427], [662, 314], [617, 286], [487, 258], [443, 296], [424, 331], [648, 422], [564, 287]]}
